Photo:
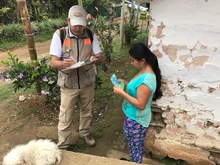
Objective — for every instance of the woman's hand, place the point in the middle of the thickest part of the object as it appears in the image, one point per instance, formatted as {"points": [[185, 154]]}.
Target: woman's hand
{"points": [[123, 81], [117, 90]]}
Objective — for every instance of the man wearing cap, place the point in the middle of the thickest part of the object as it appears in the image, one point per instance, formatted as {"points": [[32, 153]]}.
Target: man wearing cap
{"points": [[76, 85]]}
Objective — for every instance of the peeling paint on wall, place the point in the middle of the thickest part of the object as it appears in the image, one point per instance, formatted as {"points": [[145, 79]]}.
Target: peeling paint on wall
{"points": [[157, 53], [159, 33], [184, 35]]}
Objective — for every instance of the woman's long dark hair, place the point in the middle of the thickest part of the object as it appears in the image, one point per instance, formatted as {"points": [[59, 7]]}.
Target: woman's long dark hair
{"points": [[139, 51]]}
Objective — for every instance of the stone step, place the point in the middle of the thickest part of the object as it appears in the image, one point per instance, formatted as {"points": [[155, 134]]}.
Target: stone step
{"points": [[113, 157], [73, 158]]}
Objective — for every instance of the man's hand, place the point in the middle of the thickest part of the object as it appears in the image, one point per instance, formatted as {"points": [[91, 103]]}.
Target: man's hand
{"points": [[98, 59], [61, 64], [92, 59], [68, 62]]}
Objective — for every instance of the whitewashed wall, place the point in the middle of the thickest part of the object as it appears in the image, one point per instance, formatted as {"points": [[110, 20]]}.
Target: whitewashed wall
{"points": [[185, 36]]}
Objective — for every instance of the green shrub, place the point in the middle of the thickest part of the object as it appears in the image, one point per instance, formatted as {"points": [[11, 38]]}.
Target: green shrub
{"points": [[131, 32], [15, 32], [49, 25], [106, 31], [11, 32], [25, 75], [38, 73]]}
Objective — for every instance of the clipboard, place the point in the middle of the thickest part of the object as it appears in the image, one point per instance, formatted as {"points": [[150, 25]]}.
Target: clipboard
{"points": [[79, 64], [76, 65]]}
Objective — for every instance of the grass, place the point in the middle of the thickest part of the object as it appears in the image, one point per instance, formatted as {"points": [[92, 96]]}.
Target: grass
{"points": [[10, 45], [12, 34], [98, 128], [170, 161], [43, 37], [79, 146], [5, 91], [9, 101]]}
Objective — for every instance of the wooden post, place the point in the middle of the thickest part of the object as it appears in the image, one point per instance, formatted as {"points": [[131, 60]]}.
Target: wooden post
{"points": [[122, 26], [22, 7], [137, 15]]}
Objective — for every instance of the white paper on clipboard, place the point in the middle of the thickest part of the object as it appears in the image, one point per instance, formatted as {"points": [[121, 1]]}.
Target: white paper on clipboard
{"points": [[76, 65], [79, 64]]}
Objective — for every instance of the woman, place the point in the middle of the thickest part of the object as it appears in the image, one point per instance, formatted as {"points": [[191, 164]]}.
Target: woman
{"points": [[140, 92]]}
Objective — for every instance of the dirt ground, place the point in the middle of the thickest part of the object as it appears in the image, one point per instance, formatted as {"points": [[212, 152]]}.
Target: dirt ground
{"points": [[20, 126]]}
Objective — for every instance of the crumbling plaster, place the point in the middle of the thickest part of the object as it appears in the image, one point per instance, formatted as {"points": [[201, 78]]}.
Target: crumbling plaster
{"points": [[185, 36]]}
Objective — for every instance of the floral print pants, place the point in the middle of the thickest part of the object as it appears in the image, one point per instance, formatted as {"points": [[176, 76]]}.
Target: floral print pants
{"points": [[134, 134]]}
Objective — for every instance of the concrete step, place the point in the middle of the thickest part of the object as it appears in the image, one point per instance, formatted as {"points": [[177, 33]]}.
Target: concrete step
{"points": [[73, 158], [113, 157]]}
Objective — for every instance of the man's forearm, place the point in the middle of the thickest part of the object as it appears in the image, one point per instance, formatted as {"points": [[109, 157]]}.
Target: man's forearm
{"points": [[57, 63]]}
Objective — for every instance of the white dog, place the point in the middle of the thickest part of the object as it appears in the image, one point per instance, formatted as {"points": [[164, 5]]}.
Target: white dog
{"points": [[36, 152]]}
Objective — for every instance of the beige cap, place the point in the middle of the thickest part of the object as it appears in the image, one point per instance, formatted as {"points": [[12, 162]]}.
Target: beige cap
{"points": [[77, 15]]}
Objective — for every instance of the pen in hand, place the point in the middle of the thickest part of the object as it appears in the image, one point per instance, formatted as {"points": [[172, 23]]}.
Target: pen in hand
{"points": [[68, 58], [67, 61], [64, 57]]}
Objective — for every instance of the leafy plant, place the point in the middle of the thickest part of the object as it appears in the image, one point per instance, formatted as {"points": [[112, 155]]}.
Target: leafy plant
{"points": [[130, 29], [8, 12], [5, 91], [106, 30], [25, 75], [12, 33], [131, 32], [144, 16]]}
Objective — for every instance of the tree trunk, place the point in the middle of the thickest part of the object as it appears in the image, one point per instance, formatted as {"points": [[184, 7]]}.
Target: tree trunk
{"points": [[122, 25], [22, 7]]}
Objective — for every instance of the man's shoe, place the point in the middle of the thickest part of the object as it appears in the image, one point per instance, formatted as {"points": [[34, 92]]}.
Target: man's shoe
{"points": [[89, 140]]}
